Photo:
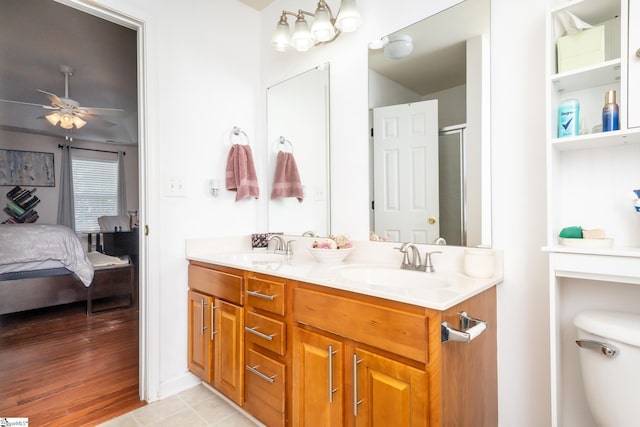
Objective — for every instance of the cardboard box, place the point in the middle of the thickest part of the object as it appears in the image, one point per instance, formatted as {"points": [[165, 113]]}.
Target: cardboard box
{"points": [[587, 47]]}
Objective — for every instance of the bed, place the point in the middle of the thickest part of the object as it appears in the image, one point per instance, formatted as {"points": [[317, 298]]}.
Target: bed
{"points": [[45, 265]]}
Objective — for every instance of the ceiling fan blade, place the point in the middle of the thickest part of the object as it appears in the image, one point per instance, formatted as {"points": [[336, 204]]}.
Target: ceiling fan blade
{"points": [[55, 99], [101, 111], [96, 119], [23, 103]]}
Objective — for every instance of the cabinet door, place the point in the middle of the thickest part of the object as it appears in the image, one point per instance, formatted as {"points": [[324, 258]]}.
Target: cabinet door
{"points": [[388, 392], [200, 347], [229, 347], [318, 378]]}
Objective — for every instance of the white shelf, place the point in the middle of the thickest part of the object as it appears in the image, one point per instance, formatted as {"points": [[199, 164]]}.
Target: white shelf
{"points": [[597, 140], [590, 76]]}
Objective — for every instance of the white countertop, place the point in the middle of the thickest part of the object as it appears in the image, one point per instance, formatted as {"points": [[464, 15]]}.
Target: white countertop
{"points": [[373, 268]]}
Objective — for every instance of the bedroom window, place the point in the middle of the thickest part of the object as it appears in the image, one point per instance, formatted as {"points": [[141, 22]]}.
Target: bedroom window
{"points": [[95, 191]]}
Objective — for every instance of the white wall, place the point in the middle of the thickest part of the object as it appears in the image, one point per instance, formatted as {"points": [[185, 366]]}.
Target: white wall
{"points": [[203, 78]]}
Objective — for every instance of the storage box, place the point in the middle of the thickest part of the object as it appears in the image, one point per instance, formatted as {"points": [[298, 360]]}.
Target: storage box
{"points": [[587, 47]]}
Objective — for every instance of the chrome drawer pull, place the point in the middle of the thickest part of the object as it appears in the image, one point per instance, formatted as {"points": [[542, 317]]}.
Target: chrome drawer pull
{"points": [[258, 333], [356, 402], [265, 377], [259, 295], [213, 308], [202, 325], [332, 390]]}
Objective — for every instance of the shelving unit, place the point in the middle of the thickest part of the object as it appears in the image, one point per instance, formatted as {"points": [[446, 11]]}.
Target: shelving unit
{"points": [[590, 182], [20, 206]]}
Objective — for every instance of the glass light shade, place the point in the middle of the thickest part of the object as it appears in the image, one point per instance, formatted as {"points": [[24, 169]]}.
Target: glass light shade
{"points": [[322, 28], [66, 121], [301, 39], [399, 47], [348, 18], [281, 39], [53, 118], [78, 122]]}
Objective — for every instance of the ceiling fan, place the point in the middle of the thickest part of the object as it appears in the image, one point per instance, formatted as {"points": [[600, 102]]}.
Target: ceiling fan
{"points": [[68, 113]]}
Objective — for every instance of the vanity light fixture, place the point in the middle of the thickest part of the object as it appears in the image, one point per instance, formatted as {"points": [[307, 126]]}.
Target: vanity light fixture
{"points": [[324, 29]]}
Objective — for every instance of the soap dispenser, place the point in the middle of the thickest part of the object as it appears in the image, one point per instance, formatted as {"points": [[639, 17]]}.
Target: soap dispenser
{"points": [[610, 112]]}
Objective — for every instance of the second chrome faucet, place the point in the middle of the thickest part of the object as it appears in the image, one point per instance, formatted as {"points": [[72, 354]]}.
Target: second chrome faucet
{"points": [[411, 259]]}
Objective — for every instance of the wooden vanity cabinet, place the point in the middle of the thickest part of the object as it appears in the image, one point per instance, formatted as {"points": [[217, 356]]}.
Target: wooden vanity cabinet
{"points": [[216, 323], [267, 356], [375, 362]]}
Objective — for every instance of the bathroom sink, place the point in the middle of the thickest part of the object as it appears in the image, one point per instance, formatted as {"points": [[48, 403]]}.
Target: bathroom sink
{"points": [[254, 258], [394, 279]]}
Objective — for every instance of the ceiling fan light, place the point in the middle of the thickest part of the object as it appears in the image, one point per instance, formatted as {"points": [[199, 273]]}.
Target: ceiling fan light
{"points": [[66, 121], [301, 39], [53, 118], [281, 39], [322, 28], [78, 122], [349, 18]]}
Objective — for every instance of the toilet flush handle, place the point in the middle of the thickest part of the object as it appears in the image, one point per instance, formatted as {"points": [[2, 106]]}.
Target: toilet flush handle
{"points": [[606, 349]]}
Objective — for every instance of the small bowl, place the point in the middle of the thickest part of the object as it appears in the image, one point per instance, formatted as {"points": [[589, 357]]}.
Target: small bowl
{"points": [[328, 256]]}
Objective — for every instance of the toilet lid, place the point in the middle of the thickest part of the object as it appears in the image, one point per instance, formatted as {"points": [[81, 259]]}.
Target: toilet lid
{"points": [[618, 326]]}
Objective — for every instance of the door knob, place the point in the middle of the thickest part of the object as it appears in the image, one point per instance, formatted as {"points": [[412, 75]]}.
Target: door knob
{"points": [[638, 53], [432, 220]]}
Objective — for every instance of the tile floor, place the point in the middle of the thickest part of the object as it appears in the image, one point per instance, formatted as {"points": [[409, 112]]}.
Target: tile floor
{"points": [[195, 407]]}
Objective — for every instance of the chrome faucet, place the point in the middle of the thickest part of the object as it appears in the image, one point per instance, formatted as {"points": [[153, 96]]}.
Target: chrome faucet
{"points": [[439, 241], [281, 247], [428, 264], [412, 260]]}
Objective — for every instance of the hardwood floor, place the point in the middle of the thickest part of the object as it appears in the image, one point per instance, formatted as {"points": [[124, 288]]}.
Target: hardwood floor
{"points": [[59, 367]]}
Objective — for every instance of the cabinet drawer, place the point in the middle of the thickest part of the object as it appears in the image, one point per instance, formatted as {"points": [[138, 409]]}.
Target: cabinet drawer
{"points": [[265, 388], [387, 328], [267, 295], [265, 332], [223, 285]]}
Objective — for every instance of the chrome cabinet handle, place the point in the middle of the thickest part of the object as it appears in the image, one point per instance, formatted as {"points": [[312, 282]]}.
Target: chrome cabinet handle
{"points": [[202, 325], [259, 295], [356, 402], [254, 370], [213, 308], [258, 333], [331, 389]]}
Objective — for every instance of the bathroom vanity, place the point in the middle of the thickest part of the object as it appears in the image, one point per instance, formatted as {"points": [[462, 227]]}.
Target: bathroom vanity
{"points": [[296, 342]]}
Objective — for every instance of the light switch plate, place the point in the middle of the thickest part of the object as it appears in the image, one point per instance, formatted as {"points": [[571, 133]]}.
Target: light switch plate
{"points": [[176, 186]]}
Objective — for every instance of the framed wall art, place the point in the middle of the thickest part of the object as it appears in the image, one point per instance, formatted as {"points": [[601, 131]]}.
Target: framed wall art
{"points": [[30, 168]]}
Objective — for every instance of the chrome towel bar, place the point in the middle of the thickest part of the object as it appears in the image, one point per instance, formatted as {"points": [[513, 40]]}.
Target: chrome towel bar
{"points": [[470, 328]]}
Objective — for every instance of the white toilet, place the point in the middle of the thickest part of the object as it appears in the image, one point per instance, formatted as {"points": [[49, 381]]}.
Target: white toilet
{"points": [[610, 361]]}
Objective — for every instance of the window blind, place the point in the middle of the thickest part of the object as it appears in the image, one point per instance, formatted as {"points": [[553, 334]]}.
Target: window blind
{"points": [[95, 191]]}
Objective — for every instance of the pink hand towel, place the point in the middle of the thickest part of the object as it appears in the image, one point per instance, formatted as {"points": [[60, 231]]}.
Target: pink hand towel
{"points": [[241, 172], [286, 179]]}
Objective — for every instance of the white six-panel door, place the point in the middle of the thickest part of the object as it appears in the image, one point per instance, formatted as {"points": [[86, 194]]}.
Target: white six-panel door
{"points": [[405, 139]]}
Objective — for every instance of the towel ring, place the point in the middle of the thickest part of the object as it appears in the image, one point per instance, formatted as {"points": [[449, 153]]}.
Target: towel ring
{"points": [[237, 132], [282, 145]]}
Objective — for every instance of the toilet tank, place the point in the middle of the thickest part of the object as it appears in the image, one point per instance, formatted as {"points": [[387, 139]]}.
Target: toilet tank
{"points": [[611, 383]]}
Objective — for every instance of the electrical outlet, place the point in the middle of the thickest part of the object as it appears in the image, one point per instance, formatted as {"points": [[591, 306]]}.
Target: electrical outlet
{"points": [[176, 187]]}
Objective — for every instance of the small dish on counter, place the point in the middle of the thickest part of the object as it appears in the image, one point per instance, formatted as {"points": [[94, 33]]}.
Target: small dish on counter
{"points": [[328, 256]]}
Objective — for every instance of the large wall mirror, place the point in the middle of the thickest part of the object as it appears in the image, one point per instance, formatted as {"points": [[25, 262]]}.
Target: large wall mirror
{"points": [[429, 101], [298, 134]]}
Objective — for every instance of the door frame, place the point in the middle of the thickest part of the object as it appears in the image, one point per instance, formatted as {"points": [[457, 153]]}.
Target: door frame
{"points": [[148, 297]]}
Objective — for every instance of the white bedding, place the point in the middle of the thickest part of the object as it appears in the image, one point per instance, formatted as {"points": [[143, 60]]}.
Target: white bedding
{"points": [[25, 243]]}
